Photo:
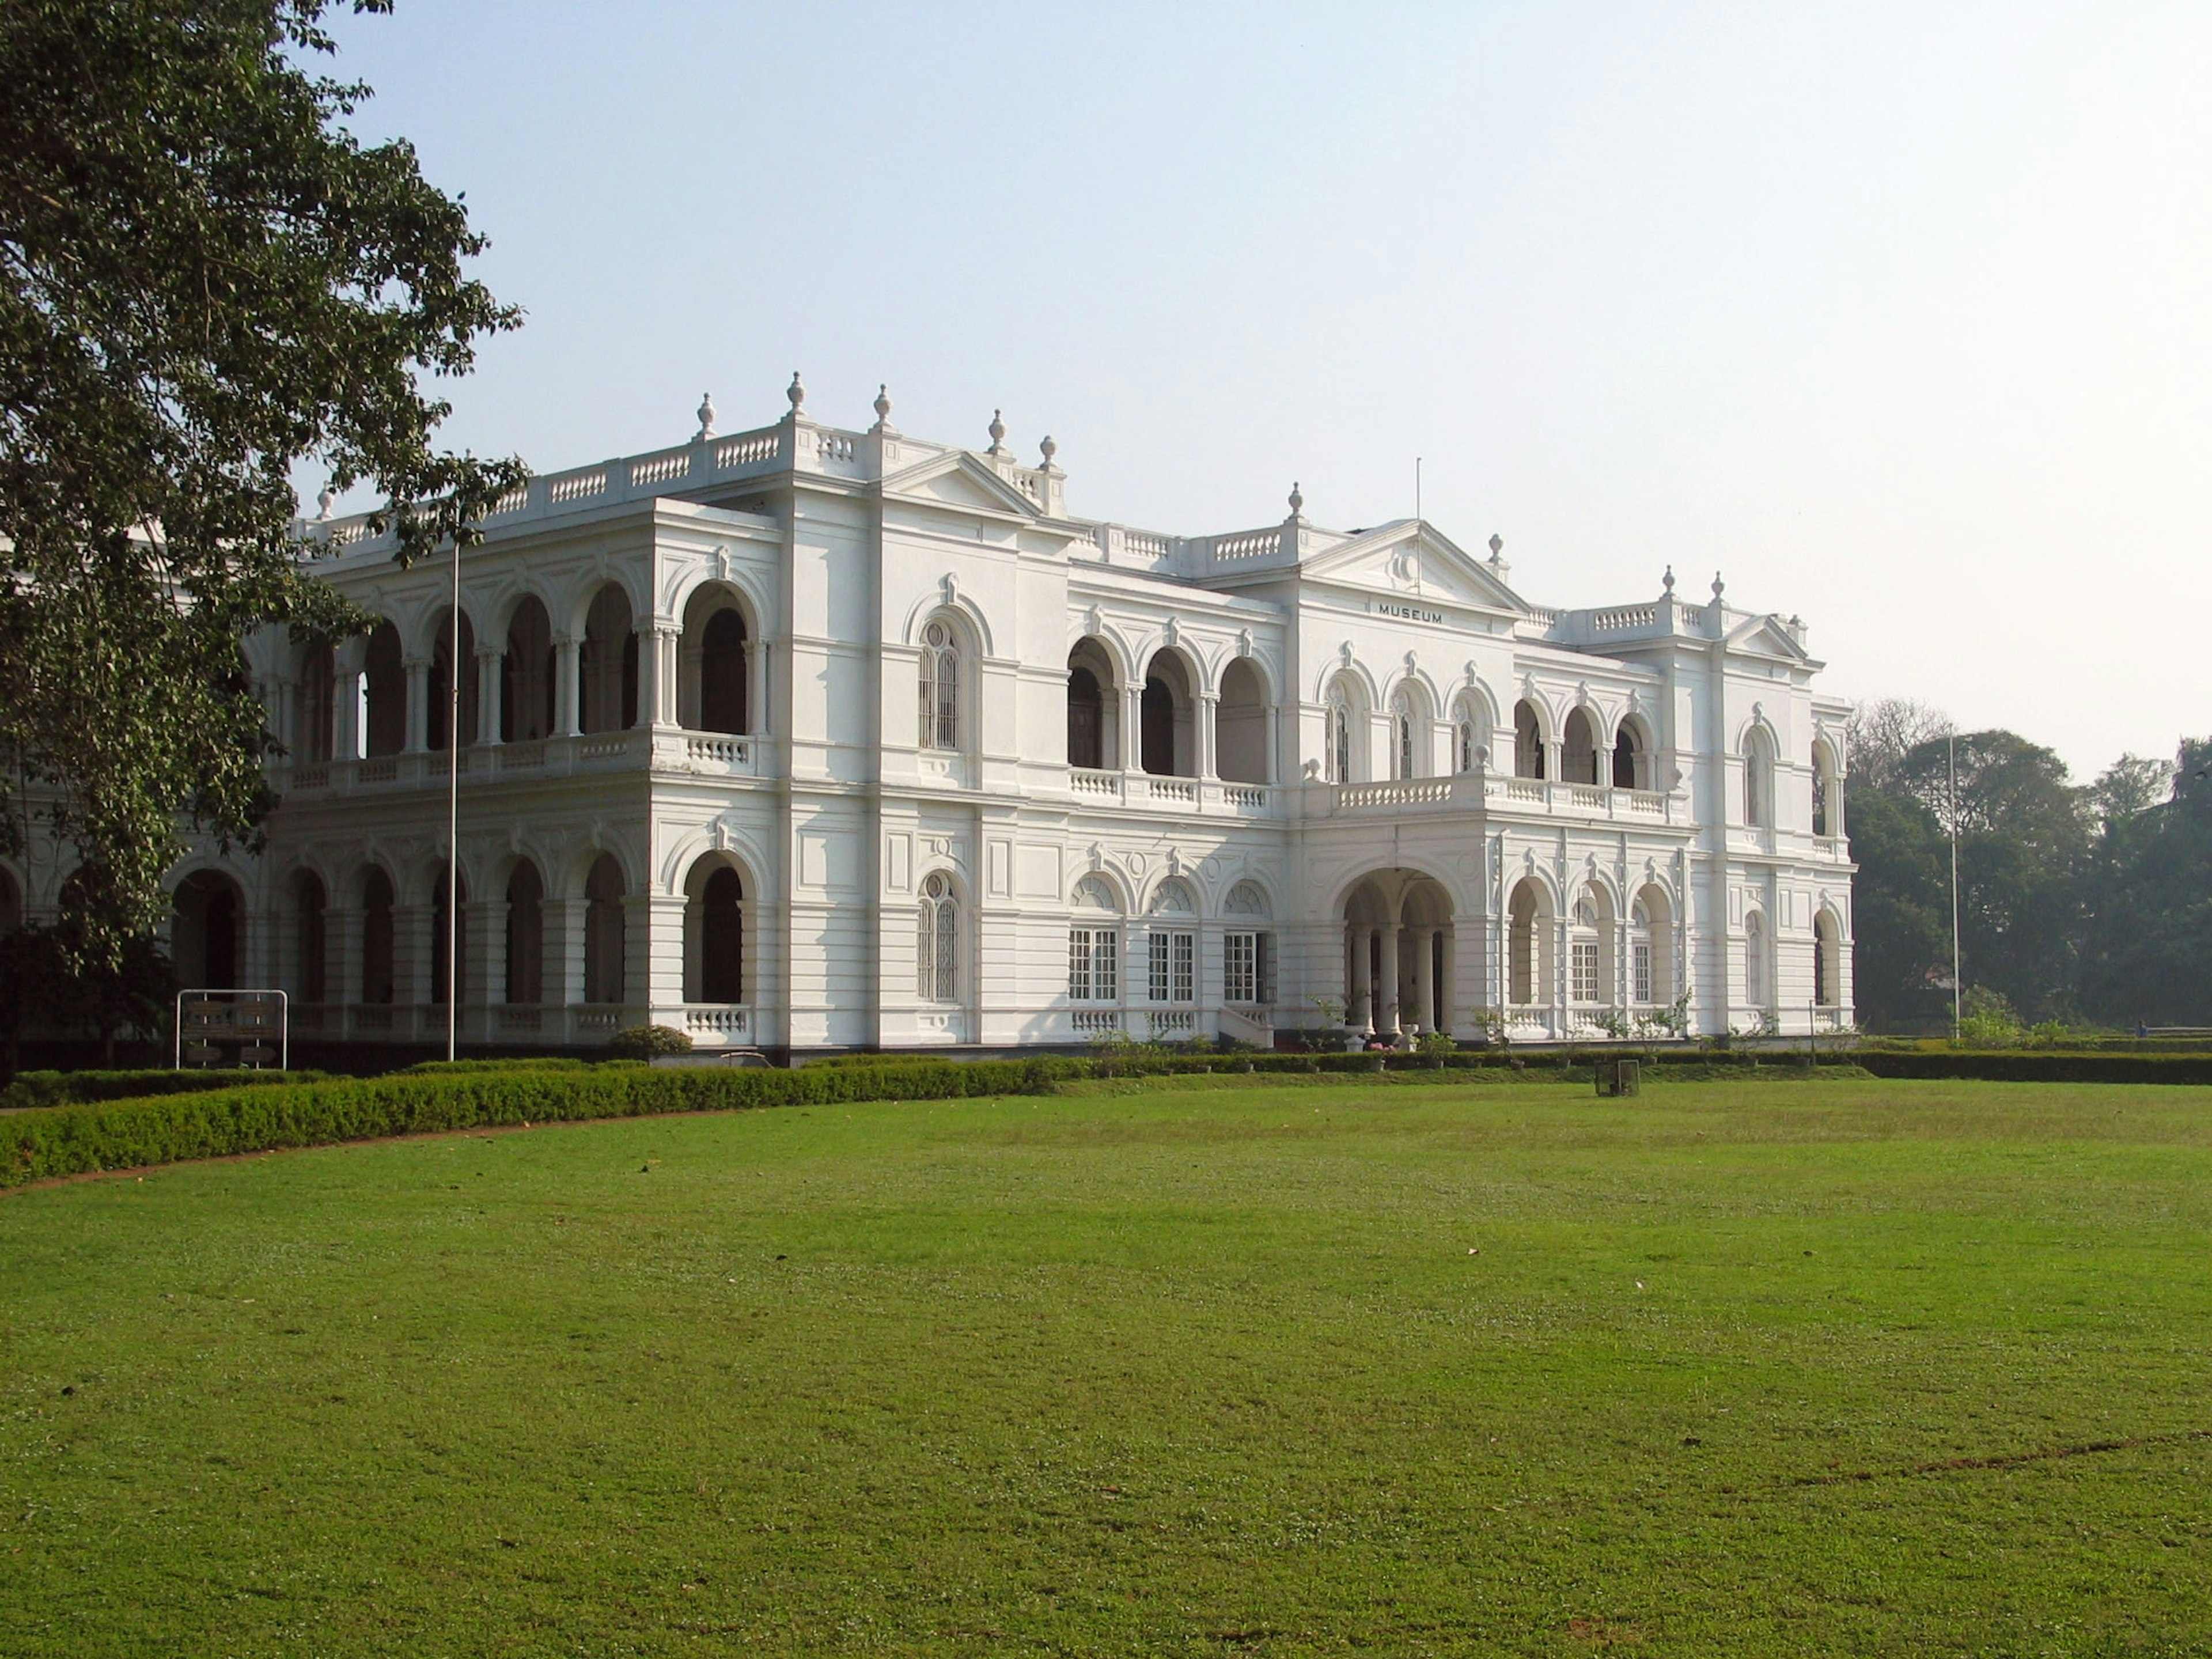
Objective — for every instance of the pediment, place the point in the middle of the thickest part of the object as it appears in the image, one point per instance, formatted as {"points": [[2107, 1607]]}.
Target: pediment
{"points": [[1412, 560], [1766, 636], [958, 480]]}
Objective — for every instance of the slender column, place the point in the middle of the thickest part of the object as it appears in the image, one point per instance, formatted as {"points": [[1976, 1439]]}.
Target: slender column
{"points": [[1360, 1008], [1273, 763], [1417, 1001], [564, 951], [411, 955], [483, 949], [418, 704], [1132, 726], [1209, 714], [1386, 1018], [488, 709], [1448, 996], [568, 692]]}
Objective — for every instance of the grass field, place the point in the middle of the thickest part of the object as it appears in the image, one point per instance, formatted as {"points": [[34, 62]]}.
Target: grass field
{"points": [[1799, 1368]]}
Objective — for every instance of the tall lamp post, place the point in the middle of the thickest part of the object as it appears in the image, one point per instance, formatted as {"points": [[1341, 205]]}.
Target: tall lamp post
{"points": [[454, 814]]}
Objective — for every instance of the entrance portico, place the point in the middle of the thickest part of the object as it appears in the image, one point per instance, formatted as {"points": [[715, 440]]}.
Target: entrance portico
{"points": [[1400, 954]]}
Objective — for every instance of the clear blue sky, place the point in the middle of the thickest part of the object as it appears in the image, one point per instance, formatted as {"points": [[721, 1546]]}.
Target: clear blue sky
{"points": [[1897, 316]]}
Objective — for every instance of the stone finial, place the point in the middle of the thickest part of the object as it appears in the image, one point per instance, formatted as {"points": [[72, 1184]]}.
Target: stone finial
{"points": [[1667, 582], [1048, 449], [796, 392], [997, 431], [323, 503], [882, 404], [1719, 588], [706, 417], [1298, 500], [1497, 547]]}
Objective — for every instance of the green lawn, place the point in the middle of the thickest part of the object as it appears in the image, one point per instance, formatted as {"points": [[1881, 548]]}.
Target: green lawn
{"points": [[1736, 1369]]}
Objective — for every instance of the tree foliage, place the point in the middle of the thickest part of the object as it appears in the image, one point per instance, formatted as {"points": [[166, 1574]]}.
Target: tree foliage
{"points": [[204, 280]]}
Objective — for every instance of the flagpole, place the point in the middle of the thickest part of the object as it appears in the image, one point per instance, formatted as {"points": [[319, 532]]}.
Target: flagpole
{"points": [[453, 821], [1956, 989]]}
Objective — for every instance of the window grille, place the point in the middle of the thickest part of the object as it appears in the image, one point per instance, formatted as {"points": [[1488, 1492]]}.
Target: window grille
{"points": [[941, 687], [1405, 727], [1339, 742], [937, 961], [1467, 745]]}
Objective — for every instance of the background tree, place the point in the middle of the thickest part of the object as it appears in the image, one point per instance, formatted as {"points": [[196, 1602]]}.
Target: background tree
{"points": [[2147, 954], [204, 281]]}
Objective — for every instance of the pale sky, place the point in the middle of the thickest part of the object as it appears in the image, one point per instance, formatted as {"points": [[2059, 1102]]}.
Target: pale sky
{"points": [[1898, 317]]}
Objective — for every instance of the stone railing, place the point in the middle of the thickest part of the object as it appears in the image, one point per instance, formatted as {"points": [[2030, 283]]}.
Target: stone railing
{"points": [[714, 754], [1092, 785], [1464, 790], [710, 1024]]}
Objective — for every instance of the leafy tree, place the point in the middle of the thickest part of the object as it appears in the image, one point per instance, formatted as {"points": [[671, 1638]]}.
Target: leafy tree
{"points": [[1901, 933], [2147, 955], [204, 281]]}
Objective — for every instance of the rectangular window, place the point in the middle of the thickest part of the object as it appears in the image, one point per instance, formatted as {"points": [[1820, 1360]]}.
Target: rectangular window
{"points": [[1094, 957], [1248, 962], [1174, 964], [1640, 970], [1585, 972]]}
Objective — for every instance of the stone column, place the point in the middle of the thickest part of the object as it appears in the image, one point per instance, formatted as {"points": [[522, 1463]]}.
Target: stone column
{"points": [[1133, 725], [568, 690], [1448, 999], [1209, 713], [1386, 1017], [483, 974], [1417, 1002], [1360, 1004], [564, 951], [488, 709], [411, 960], [1274, 762], [418, 704], [661, 983]]}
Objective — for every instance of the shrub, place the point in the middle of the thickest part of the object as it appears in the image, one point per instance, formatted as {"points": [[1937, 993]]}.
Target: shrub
{"points": [[72, 1088], [644, 1042]]}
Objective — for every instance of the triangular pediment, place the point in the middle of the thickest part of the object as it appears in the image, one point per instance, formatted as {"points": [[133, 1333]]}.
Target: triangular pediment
{"points": [[958, 479], [1766, 636], [1411, 559]]}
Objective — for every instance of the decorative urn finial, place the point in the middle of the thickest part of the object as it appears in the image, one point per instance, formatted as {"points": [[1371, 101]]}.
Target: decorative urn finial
{"points": [[1048, 449], [796, 392], [1719, 588], [323, 502], [1497, 547], [1666, 581], [883, 404], [997, 431], [706, 417], [1298, 500]]}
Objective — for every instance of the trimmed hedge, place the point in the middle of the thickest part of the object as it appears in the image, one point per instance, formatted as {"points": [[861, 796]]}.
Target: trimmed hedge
{"points": [[2039, 1065], [71, 1088]]}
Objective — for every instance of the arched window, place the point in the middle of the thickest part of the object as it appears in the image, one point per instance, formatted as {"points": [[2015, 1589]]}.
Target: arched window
{"points": [[1240, 725], [1755, 977], [1166, 734], [722, 670], [1527, 741], [525, 936], [441, 976], [1758, 780], [1527, 946], [1087, 720], [1631, 762], [526, 676], [605, 932], [1589, 948], [937, 961], [315, 718], [1650, 956], [721, 924], [385, 686], [376, 981], [310, 942], [1578, 747], [1341, 739], [940, 687], [1828, 792], [607, 664], [1827, 960], [1402, 724], [1171, 945], [1094, 943], [441, 681]]}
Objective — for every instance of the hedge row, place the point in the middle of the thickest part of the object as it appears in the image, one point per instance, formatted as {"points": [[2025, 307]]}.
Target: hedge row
{"points": [[2037, 1065], [72, 1088]]}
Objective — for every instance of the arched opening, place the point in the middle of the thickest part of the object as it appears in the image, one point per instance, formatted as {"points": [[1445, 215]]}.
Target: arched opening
{"points": [[1171, 945], [937, 939], [1650, 949], [441, 681], [1827, 960], [714, 933], [1827, 792], [1409, 730], [1087, 711], [449, 939], [526, 935], [385, 682], [607, 664], [1756, 975], [1632, 757], [1240, 725], [1343, 731], [526, 675], [1589, 948], [204, 932], [1529, 946], [1398, 954], [1470, 735], [1094, 942], [1247, 947], [1168, 730], [938, 667], [715, 664], [1758, 780], [376, 966], [605, 932], [311, 940], [1527, 741], [315, 709], [1578, 747]]}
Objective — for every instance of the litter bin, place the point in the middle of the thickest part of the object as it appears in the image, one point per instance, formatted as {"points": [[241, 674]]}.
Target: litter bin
{"points": [[1619, 1076]]}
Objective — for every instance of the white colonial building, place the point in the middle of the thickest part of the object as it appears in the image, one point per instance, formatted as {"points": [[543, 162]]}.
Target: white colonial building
{"points": [[804, 738]]}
